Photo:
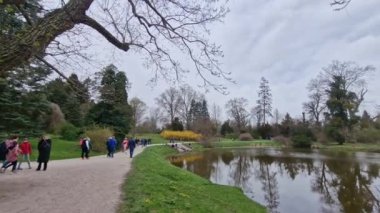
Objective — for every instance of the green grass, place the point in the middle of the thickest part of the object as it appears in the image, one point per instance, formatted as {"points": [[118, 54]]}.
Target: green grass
{"points": [[154, 185], [349, 147], [227, 143], [61, 149]]}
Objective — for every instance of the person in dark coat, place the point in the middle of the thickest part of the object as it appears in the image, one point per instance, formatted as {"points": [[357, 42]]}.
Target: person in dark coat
{"points": [[86, 147], [131, 146], [44, 148]]}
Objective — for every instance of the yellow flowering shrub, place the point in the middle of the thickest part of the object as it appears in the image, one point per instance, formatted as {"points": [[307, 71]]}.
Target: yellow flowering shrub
{"points": [[180, 135]]}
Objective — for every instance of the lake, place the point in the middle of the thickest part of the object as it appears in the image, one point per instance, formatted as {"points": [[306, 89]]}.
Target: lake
{"points": [[294, 181]]}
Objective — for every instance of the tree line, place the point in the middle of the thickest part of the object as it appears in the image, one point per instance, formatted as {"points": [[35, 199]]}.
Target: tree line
{"points": [[330, 114]]}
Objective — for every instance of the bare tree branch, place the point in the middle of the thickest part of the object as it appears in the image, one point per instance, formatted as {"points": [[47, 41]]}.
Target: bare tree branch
{"points": [[340, 4], [165, 32], [98, 27]]}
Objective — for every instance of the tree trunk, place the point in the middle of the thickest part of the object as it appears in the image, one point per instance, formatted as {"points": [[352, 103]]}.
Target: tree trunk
{"points": [[34, 40]]}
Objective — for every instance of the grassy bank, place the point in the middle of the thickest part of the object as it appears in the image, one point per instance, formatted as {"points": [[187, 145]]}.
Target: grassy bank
{"points": [[61, 149], [226, 143], [154, 185], [352, 147]]}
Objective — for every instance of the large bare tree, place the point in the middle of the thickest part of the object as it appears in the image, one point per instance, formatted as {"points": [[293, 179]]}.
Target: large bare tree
{"points": [[159, 29], [215, 114], [138, 110], [317, 100], [187, 94], [170, 101], [236, 109]]}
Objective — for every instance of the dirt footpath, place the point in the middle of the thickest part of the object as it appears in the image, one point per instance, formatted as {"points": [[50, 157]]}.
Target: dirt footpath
{"points": [[67, 186]]}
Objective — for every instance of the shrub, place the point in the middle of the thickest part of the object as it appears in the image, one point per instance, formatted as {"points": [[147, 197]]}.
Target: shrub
{"points": [[245, 137], [265, 131], [321, 137], [282, 140], [181, 135], [302, 136], [301, 141], [370, 135], [231, 136], [255, 133], [98, 137], [335, 134], [69, 132], [207, 142]]}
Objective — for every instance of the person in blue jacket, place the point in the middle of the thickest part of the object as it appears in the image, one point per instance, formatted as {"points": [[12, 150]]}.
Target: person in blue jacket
{"points": [[111, 146], [131, 146]]}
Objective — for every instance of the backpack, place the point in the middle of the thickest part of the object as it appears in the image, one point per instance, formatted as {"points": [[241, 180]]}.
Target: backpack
{"points": [[3, 151], [83, 145]]}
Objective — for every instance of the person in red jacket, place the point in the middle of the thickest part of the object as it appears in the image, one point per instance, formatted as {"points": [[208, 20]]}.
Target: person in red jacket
{"points": [[26, 151]]}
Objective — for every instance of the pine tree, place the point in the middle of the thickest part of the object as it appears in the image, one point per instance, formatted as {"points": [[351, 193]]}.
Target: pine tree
{"points": [[264, 104], [204, 110]]}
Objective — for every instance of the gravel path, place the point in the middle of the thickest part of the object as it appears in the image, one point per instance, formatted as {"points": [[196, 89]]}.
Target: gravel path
{"points": [[68, 186]]}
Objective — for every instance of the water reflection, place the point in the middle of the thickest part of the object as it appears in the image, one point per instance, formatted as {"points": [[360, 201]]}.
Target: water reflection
{"points": [[288, 181]]}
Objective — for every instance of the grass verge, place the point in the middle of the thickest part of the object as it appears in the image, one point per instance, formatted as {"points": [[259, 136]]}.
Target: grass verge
{"points": [[352, 147], [227, 143], [154, 185], [60, 149]]}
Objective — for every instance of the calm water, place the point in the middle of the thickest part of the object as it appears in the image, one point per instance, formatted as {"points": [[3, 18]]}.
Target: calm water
{"points": [[294, 181]]}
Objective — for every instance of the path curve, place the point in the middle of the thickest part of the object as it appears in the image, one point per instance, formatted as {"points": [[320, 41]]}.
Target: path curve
{"points": [[73, 185]]}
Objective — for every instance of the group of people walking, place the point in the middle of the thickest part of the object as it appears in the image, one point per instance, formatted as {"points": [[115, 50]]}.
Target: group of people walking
{"points": [[11, 151], [13, 154], [127, 144], [111, 145]]}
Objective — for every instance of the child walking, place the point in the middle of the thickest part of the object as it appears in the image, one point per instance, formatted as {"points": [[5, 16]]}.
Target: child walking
{"points": [[26, 151]]}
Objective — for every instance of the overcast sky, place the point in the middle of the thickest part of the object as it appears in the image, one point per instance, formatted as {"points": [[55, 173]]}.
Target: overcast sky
{"points": [[285, 41]]}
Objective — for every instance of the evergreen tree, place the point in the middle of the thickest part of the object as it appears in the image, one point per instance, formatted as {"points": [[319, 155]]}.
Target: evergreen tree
{"points": [[68, 95], [199, 112], [107, 84], [339, 104], [226, 128], [11, 18], [204, 110], [264, 104], [113, 109], [121, 85], [286, 125], [79, 89], [176, 125], [23, 106], [366, 121]]}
